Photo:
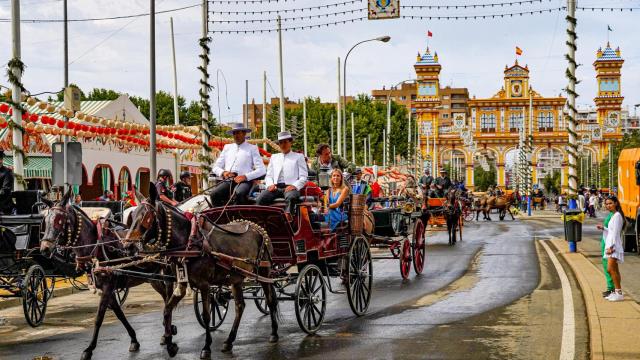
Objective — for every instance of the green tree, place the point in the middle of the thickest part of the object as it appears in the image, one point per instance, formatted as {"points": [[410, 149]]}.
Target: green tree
{"points": [[552, 182], [629, 141], [482, 179]]}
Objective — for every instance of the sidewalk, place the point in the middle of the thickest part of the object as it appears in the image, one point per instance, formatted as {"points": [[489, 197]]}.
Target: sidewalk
{"points": [[613, 327]]}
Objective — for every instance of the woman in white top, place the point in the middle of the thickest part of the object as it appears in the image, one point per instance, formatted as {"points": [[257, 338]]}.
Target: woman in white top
{"points": [[614, 251]]}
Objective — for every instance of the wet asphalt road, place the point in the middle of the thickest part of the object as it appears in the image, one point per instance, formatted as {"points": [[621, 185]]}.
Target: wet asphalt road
{"points": [[493, 295]]}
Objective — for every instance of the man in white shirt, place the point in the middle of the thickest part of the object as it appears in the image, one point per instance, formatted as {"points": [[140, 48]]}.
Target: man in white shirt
{"points": [[239, 164], [286, 175]]}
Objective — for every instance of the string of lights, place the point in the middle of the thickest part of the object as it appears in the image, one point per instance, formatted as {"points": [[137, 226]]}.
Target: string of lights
{"points": [[477, 17], [608, 8], [292, 10], [293, 18], [475, 6], [291, 28]]}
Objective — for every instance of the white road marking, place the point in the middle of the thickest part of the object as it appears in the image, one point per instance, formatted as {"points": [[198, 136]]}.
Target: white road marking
{"points": [[568, 345]]}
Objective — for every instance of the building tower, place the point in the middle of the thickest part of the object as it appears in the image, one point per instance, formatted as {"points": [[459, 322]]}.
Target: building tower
{"points": [[608, 65], [426, 104]]}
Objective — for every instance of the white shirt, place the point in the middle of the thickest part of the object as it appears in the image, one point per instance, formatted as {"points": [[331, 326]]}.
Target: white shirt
{"points": [[580, 201], [593, 200], [243, 159], [613, 237], [289, 168]]}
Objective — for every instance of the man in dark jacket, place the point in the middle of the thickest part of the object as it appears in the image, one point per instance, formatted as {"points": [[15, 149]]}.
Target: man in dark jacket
{"points": [[6, 187], [326, 161], [164, 192], [443, 183], [183, 187], [425, 181]]}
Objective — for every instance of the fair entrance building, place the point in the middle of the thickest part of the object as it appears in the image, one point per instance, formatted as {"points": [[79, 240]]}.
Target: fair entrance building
{"points": [[489, 136]]}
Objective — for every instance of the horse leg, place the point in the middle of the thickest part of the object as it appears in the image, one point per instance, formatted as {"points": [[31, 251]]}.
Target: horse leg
{"points": [[164, 289], [272, 302], [510, 213], [206, 318], [102, 307], [175, 298], [115, 306], [487, 211], [238, 296]]}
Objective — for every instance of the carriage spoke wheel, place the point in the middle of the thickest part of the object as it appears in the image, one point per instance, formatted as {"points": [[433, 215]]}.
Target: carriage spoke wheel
{"points": [[310, 299], [261, 301], [121, 295], [405, 258], [360, 279], [419, 246], [35, 294], [218, 303]]}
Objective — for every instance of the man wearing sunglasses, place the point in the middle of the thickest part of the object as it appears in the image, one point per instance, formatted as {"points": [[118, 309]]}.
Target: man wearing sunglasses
{"points": [[286, 175]]}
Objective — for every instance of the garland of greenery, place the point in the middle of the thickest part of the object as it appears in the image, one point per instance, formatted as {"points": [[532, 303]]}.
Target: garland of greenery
{"points": [[204, 102], [573, 147], [13, 64]]}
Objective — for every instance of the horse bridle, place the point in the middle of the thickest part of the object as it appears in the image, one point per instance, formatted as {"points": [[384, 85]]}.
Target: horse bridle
{"points": [[72, 235], [146, 224]]}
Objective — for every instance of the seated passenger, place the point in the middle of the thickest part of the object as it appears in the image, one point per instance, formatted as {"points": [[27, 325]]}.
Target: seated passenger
{"points": [[334, 200], [286, 175]]}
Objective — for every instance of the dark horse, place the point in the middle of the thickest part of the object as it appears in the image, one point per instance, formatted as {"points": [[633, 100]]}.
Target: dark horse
{"points": [[68, 227], [452, 213], [166, 229]]}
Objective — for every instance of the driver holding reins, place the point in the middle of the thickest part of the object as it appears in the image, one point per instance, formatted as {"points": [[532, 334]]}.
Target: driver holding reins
{"points": [[239, 164]]}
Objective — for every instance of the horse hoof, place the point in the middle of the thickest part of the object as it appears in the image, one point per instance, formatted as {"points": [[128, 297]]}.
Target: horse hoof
{"points": [[274, 339], [205, 354], [134, 347], [174, 330], [86, 355], [163, 340], [172, 349], [226, 347]]}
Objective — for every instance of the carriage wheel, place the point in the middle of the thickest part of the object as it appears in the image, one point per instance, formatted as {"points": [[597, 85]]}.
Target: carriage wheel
{"points": [[405, 259], [360, 279], [260, 300], [34, 295], [419, 246], [310, 299], [219, 305], [121, 295], [395, 250]]}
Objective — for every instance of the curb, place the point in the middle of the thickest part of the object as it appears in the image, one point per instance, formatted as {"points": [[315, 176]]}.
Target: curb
{"points": [[599, 316], [17, 301]]}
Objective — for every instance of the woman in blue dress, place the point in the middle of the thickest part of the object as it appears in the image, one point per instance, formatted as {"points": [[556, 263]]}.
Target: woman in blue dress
{"points": [[334, 199]]}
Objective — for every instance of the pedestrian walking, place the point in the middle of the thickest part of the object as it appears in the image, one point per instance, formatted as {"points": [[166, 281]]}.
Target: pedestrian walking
{"points": [[612, 250]]}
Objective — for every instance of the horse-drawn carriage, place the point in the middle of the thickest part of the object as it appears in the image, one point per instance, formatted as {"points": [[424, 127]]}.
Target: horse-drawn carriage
{"points": [[393, 225], [445, 214], [24, 271]]}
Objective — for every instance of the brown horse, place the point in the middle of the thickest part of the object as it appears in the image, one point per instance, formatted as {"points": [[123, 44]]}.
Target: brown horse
{"points": [[452, 213], [68, 227], [166, 229], [502, 203]]}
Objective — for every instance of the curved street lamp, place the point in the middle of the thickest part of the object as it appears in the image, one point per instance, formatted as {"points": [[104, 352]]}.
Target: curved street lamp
{"points": [[383, 39]]}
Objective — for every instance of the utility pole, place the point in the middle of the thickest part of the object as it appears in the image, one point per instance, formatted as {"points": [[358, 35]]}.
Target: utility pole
{"points": [[571, 99], [331, 132], [16, 97], [339, 132], [369, 149], [408, 138], [245, 119], [364, 154], [65, 138], [388, 131], [204, 90], [152, 90], [304, 123], [353, 141], [282, 104], [384, 149], [264, 111], [176, 110]]}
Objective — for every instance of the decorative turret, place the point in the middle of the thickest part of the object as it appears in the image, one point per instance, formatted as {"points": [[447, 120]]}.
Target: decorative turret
{"points": [[608, 65], [516, 81]]}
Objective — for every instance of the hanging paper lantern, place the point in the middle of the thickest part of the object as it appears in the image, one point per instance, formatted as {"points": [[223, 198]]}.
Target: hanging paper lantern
{"points": [[30, 126], [25, 116], [3, 123], [4, 108], [47, 130], [33, 117], [80, 115], [60, 123], [42, 105]]}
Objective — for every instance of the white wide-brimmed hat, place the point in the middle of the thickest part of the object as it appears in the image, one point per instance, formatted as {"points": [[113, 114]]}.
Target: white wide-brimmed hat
{"points": [[284, 135], [237, 127]]}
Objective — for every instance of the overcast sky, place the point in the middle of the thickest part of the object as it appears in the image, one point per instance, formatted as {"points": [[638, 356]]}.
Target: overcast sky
{"points": [[114, 54]]}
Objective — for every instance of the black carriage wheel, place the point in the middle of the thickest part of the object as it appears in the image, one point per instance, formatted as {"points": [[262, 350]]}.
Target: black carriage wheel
{"points": [[121, 295], [219, 305], [35, 295], [419, 246], [260, 300], [405, 258], [360, 279], [310, 299]]}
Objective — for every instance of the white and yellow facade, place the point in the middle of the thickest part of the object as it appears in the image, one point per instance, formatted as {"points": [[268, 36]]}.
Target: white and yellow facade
{"points": [[492, 128]]}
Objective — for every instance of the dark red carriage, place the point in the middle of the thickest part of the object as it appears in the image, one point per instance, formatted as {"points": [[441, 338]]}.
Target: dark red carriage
{"points": [[307, 255]]}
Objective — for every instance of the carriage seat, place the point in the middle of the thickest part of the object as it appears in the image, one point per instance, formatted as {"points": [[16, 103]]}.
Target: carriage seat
{"points": [[96, 213]]}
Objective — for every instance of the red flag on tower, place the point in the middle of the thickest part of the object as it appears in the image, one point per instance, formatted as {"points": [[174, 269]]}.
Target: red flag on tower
{"points": [[518, 51], [429, 33]]}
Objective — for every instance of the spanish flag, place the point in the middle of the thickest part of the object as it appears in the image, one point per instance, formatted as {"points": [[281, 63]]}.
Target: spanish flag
{"points": [[518, 51]]}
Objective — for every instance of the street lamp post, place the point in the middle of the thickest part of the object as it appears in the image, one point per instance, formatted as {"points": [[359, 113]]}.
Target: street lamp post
{"points": [[385, 39]]}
